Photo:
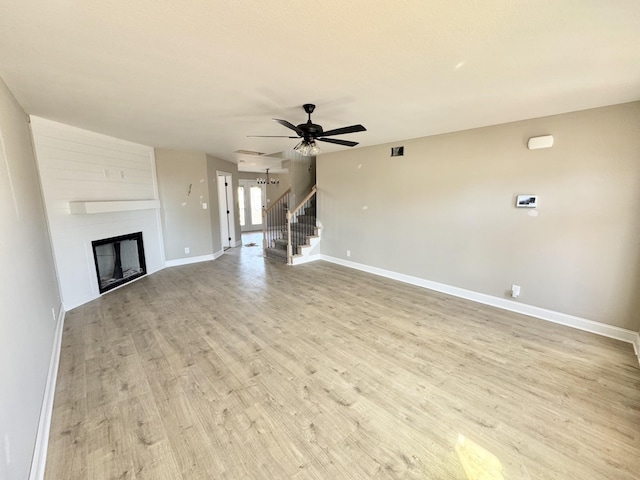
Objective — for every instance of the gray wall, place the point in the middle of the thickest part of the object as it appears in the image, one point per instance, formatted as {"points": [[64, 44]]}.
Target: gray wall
{"points": [[302, 173], [445, 211], [184, 222], [29, 292]]}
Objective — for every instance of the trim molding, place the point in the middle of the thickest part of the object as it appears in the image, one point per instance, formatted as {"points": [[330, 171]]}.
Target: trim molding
{"points": [[106, 206], [636, 345], [188, 260], [299, 260], [39, 459], [537, 312]]}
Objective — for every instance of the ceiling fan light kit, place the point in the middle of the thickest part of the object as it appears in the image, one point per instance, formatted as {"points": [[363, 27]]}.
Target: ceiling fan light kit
{"points": [[309, 132], [307, 149]]}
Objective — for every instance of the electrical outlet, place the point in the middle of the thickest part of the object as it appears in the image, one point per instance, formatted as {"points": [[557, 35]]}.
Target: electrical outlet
{"points": [[186, 250], [515, 291], [204, 205], [348, 253]]}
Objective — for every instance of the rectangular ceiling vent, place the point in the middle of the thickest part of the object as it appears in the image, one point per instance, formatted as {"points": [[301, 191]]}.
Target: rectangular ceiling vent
{"points": [[249, 152], [397, 151]]}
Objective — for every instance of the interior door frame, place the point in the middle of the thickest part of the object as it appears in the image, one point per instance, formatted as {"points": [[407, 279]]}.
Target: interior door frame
{"points": [[247, 184], [226, 209]]}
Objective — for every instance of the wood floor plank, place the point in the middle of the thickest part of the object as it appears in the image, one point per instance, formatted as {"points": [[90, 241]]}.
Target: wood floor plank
{"points": [[108, 454], [245, 369], [150, 449]]}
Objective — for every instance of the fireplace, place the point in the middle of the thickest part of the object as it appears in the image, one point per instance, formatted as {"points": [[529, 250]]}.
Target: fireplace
{"points": [[118, 260]]}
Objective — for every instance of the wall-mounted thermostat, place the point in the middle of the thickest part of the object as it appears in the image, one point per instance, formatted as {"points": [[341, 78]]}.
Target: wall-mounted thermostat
{"points": [[527, 201]]}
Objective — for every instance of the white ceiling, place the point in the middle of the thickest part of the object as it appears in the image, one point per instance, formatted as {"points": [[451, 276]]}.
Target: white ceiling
{"points": [[201, 75]]}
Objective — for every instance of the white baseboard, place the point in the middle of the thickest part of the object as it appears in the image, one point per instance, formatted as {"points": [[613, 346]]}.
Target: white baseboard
{"points": [[238, 243], [38, 462], [218, 254], [636, 346], [189, 260], [541, 313], [299, 260]]}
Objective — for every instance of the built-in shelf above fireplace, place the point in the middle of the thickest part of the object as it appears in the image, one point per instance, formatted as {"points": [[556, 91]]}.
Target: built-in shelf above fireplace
{"points": [[106, 206]]}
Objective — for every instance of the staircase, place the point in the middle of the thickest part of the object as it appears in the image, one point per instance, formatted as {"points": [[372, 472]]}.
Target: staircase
{"points": [[300, 232]]}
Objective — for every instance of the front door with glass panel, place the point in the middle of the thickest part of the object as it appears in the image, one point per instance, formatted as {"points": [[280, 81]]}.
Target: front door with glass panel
{"points": [[251, 198]]}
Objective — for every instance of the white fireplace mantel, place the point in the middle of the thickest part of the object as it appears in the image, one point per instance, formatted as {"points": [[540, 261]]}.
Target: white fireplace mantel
{"points": [[106, 206]]}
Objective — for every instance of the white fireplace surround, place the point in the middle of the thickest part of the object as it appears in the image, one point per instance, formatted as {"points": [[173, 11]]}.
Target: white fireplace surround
{"points": [[94, 187]]}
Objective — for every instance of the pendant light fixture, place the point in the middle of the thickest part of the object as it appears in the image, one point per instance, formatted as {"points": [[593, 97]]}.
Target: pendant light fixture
{"points": [[267, 181]]}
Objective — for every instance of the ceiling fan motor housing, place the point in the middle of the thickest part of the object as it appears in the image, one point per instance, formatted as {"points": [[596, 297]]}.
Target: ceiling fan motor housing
{"points": [[311, 130]]}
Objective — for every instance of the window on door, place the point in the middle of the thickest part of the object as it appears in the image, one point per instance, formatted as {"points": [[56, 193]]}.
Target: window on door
{"points": [[241, 205], [256, 205], [251, 199]]}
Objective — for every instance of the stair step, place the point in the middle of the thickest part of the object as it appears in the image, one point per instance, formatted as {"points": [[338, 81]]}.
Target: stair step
{"points": [[299, 232], [296, 240], [305, 228], [280, 244], [307, 219], [299, 237], [276, 252]]}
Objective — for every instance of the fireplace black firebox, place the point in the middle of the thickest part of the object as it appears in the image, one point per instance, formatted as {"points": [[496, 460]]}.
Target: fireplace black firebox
{"points": [[118, 260]]}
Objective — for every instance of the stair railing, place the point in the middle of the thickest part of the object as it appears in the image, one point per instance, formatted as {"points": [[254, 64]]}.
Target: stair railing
{"points": [[297, 233], [274, 219]]}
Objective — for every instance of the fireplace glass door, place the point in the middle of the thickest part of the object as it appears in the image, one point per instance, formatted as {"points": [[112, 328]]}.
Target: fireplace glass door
{"points": [[118, 260]]}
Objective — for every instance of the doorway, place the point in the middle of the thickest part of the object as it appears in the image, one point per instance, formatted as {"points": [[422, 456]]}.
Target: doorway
{"points": [[225, 202], [251, 199]]}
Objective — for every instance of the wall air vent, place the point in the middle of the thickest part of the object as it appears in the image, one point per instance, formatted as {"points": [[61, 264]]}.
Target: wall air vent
{"points": [[397, 151]]}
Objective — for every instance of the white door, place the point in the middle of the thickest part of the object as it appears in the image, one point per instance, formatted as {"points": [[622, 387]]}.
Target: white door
{"points": [[225, 202], [251, 198]]}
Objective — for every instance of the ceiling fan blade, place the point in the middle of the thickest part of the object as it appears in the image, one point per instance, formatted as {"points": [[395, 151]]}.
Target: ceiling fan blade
{"points": [[269, 136], [340, 131], [346, 143], [289, 125]]}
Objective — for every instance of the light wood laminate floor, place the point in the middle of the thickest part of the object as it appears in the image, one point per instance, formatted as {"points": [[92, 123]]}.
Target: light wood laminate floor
{"points": [[241, 369]]}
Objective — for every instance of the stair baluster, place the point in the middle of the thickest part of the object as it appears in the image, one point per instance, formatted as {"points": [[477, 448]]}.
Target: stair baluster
{"points": [[273, 224], [301, 223], [284, 230]]}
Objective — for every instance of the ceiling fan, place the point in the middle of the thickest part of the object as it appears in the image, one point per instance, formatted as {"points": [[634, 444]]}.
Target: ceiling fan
{"points": [[310, 132]]}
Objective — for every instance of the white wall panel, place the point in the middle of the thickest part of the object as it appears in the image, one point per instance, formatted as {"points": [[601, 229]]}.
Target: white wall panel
{"points": [[78, 165]]}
